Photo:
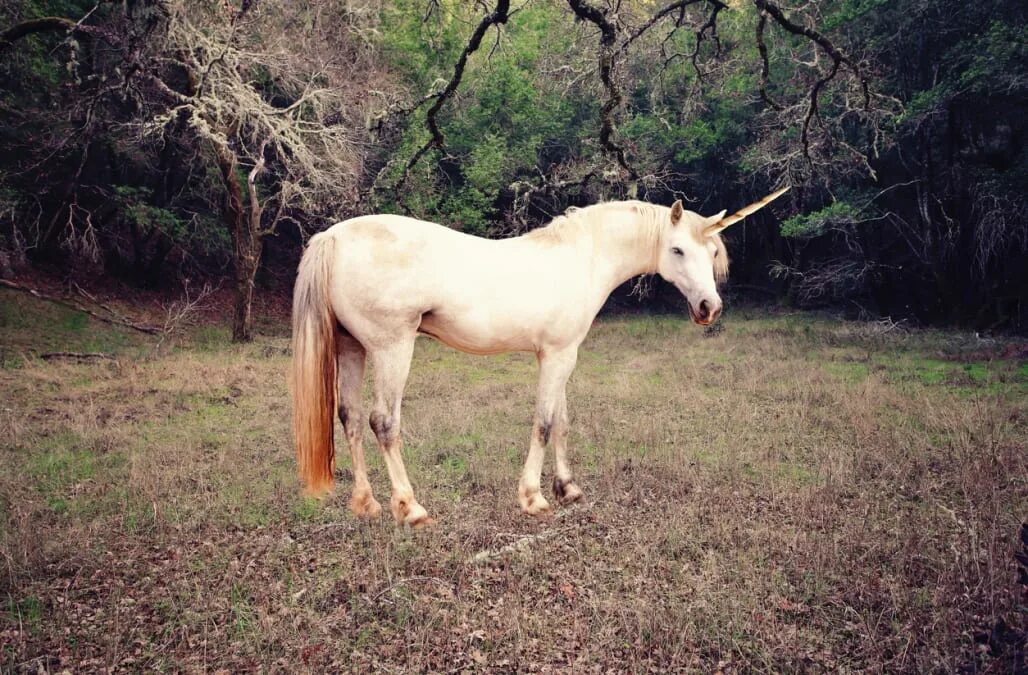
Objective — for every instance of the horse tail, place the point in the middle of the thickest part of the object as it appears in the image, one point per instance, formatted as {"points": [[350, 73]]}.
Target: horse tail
{"points": [[314, 367]]}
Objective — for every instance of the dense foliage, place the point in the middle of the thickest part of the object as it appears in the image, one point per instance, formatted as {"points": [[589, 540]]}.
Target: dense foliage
{"points": [[900, 125]]}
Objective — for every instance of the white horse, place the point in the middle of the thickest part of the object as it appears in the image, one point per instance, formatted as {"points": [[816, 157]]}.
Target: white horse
{"points": [[367, 286]]}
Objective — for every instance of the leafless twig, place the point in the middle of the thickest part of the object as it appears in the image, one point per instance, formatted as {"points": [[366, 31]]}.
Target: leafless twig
{"points": [[525, 542], [183, 311]]}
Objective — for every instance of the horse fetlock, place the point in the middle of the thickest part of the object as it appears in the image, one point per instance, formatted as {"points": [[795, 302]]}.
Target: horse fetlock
{"points": [[565, 491], [364, 505]]}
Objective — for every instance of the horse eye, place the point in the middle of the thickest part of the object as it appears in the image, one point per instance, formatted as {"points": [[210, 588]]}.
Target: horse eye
{"points": [[716, 252], [676, 250]]}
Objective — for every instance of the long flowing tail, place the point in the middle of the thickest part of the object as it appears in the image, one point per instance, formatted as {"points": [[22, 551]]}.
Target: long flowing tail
{"points": [[314, 367]]}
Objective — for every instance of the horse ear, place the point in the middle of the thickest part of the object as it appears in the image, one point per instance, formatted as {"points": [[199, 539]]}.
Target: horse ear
{"points": [[716, 219], [712, 225], [676, 212]]}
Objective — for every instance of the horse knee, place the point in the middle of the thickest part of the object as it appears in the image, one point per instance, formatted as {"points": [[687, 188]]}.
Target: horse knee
{"points": [[384, 426], [543, 430]]}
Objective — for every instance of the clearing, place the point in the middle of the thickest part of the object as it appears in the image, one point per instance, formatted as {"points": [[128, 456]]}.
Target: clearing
{"points": [[790, 493]]}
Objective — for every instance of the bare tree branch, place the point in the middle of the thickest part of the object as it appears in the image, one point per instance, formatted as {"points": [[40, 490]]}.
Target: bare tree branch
{"points": [[836, 54], [498, 16], [838, 59], [256, 209], [78, 356], [660, 14], [47, 24], [765, 68], [607, 59], [710, 25]]}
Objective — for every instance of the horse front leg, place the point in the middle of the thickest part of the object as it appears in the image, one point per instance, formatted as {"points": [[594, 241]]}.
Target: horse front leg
{"points": [[554, 370], [391, 366], [564, 488]]}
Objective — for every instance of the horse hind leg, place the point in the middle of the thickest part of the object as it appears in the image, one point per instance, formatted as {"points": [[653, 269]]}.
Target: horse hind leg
{"points": [[391, 366], [350, 357]]}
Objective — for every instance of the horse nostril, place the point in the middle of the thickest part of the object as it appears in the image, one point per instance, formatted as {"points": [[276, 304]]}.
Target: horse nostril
{"points": [[704, 310]]}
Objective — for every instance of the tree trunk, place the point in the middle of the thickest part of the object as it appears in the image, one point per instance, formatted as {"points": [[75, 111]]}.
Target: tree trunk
{"points": [[248, 257], [246, 239]]}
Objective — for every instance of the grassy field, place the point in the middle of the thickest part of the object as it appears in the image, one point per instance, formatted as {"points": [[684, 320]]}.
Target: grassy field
{"points": [[791, 493]]}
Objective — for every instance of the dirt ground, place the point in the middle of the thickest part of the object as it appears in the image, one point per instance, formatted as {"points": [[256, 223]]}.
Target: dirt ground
{"points": [[788, 493]]}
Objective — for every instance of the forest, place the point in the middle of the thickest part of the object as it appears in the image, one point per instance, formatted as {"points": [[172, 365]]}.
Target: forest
{"points": [[830, 477], [163, 143]]}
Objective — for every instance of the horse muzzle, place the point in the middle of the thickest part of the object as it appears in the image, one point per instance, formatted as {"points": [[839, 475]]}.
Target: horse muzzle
{"points": [[706, 312]]}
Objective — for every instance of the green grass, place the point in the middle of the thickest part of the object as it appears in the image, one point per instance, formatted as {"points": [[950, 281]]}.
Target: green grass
{"points": [[32, 326], [848, 371], [244, 620], [208, 338], [60, 463], [27, 611], [919, 370]]}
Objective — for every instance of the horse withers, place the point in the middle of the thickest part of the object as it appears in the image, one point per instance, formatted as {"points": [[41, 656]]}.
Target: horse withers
{"points": [[368, 286]]}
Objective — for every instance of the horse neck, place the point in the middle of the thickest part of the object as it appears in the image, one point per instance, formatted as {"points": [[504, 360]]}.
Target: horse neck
{"points": [[626, 244]]}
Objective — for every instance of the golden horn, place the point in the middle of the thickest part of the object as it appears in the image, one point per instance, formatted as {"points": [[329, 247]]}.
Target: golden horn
{"points": [[745, 211]]}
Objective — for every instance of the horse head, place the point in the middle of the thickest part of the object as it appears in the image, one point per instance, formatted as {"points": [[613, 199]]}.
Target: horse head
{"points": [[693, 256]]}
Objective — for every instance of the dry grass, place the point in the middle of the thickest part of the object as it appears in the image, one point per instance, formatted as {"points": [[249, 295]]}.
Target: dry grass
{"points": [[792, 494]]}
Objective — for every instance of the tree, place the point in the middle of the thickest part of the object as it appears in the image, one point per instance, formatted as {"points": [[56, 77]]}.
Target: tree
{"points": [[271, 114], [264, 94]]}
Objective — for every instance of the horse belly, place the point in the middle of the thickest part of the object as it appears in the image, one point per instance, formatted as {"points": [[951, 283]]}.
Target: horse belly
{"points": [[477, 332]]}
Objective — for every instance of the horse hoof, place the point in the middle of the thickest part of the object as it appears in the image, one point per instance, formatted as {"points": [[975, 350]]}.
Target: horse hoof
{"points": [[566, 492], [409, 512], [536, 505], [364, 505], [570, 494], [424, 521]]}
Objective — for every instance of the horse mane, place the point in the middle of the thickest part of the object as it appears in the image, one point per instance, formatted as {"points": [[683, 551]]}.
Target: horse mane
{"points": [[571, 224], [564, 227], [721, 259], [575, 220]]}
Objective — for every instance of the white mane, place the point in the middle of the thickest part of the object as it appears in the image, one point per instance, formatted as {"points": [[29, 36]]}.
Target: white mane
{"points": [[576, 221]]}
